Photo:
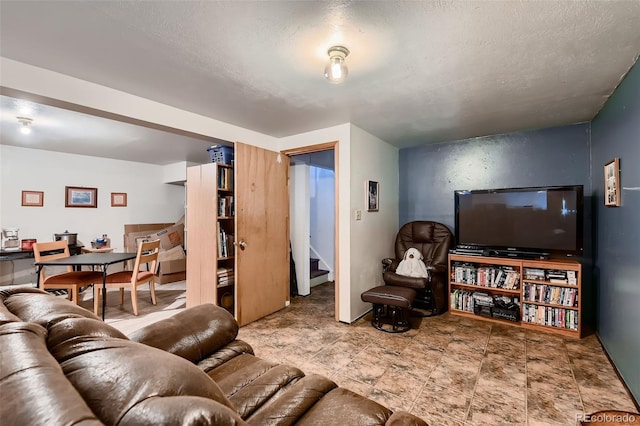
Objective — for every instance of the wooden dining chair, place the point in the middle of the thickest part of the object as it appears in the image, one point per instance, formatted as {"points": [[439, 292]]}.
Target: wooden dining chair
{"points": [[71, 280], [147, 254]]}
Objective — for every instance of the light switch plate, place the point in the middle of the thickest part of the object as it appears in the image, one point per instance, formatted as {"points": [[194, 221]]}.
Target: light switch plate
{"points": [[358, 214]]}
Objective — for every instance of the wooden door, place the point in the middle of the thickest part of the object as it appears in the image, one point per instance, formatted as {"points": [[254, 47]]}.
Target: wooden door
{"points": [[262, 232]]}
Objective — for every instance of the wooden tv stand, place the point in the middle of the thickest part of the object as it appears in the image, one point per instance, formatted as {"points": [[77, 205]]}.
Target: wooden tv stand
{"points": [[548, 292]]}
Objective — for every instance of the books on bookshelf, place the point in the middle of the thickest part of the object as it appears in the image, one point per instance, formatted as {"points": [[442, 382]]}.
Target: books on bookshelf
{"points": [[550, 316], [225, 206], [225, 276], [504, 277], [556, 276], [225, 243], [544, 293], [225, 178], [481, 303]]}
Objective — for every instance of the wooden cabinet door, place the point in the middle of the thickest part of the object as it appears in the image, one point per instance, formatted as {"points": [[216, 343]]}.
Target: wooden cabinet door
{"points": [[262, 232]]}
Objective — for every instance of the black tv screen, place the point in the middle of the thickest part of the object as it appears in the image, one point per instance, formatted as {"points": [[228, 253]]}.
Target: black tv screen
{"points": [[537, 220]]}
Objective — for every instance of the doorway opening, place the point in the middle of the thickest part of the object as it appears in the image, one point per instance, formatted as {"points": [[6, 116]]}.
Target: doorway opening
{"points": [[313, 186]]}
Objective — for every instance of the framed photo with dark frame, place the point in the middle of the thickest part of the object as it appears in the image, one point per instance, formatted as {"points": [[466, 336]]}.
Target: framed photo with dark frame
{"points": [[118, 199], [373, 195], [76, 196], [33, 198], [612, 183]]}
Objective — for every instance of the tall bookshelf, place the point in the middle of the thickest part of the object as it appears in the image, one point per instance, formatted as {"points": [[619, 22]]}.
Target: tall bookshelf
{"points": [[211, 227], [544, 295]]}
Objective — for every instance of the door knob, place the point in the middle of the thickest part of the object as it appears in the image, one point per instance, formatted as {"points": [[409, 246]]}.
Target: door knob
{"points": [[242, 245]]}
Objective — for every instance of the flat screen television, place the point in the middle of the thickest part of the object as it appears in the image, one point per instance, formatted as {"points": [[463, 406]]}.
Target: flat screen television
{"points": [[537, 221]]}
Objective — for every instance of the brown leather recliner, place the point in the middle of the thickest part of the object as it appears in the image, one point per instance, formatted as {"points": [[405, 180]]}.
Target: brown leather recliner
{"points": [[433, 240], [61, 365]]}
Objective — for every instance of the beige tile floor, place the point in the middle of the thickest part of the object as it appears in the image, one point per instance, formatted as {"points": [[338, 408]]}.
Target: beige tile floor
{"points": [[447, 370]]}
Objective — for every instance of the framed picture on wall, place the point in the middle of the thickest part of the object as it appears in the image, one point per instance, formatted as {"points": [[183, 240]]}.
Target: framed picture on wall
{"points": [[118, 199], [76, 196], [33, 198], [612, 183], [373, 195]]}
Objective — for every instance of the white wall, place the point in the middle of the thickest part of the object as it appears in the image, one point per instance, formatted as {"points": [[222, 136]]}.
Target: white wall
{"points": [[372, 237], [322, 216], [149, 200], [299, 224]]}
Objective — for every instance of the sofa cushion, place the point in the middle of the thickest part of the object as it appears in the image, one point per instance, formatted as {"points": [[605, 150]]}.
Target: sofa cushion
{"points": [[341, 403], [33, 387], [291, 402], [6, 315], [249, 382], [37, 306], [180, 410], [193, 334], [224, 354], [114, 375]]}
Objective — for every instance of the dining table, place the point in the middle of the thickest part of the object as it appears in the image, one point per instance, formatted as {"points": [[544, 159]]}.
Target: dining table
{"points": [[100, 260]]}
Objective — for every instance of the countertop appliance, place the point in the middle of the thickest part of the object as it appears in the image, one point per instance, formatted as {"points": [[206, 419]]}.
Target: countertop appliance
{"points": [[70, 237], [10, 239]]}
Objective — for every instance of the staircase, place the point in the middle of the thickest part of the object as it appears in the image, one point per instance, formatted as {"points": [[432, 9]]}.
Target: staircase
{"points": [[318, 276]]}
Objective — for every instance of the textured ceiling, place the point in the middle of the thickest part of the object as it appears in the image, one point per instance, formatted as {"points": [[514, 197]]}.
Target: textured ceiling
{"points": [[420, 71]]}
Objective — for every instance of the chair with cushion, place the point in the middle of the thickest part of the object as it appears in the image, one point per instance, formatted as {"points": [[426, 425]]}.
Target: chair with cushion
{"points": [[72, 281], [433, 240], [147, 254]]}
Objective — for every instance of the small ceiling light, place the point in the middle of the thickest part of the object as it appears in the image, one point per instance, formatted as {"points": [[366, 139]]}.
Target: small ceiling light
{"points": [[26, 122], [336, 70]]}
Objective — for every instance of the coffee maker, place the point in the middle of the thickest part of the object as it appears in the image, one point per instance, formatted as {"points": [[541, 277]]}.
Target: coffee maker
{"points": [[10, 240]]}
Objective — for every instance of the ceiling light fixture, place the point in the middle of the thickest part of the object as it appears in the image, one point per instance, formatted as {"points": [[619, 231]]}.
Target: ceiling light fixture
{"points": [[26, 122], [336, 70]]}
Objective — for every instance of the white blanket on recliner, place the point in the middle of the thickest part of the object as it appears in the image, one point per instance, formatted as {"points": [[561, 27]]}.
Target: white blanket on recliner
{"points": [[412, 265]]}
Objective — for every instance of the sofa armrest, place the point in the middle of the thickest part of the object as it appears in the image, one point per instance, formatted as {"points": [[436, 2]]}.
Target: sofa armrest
{"points": [[389, 264], [193, 334], [180, 409]]}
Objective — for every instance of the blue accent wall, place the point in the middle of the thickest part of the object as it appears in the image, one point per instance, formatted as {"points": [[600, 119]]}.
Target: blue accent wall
{"points": [[556, 156], [616, 133], [429, 174]]}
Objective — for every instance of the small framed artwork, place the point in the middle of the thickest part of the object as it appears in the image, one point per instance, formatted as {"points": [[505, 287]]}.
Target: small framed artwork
{"points": [[373, 195], [118, 199], [32, 198], [612, 183], [76, 196]]}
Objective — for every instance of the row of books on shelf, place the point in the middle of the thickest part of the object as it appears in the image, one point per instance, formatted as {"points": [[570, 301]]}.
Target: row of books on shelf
{"points": [[552, 275], [504, 277], [225, 243], [465, 300], [225, 178], [479, 303], [226, 276], [225, 205], [550, 294], [546, 315]]}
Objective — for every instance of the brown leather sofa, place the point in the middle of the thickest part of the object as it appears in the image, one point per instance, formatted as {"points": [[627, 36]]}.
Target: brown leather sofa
{"points": [[61, 365]]}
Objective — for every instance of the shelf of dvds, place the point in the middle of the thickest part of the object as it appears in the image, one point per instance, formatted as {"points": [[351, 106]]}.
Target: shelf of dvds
{"points": [[536, 294]]}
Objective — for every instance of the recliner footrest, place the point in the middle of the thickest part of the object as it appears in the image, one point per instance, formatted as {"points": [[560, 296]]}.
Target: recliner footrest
{"points": [[390, 301]]}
